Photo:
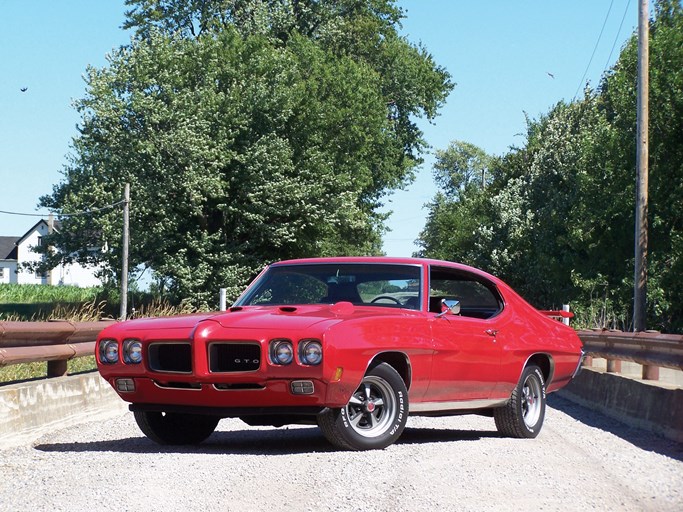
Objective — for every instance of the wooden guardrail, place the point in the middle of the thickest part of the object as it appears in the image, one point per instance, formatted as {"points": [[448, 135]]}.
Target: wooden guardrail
{"points": [[55, 342], [58, 341]]}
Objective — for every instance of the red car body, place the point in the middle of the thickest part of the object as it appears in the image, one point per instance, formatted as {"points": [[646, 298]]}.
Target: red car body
{"points": [[470, 356]]}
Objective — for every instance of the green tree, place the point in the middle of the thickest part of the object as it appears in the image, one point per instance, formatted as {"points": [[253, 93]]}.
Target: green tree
{"points": [[462, 172], [557, 221], [241, 146], [460, 167]]}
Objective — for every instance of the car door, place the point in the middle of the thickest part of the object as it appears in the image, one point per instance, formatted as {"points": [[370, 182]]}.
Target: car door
{"points": [[467, 352], [466, 360]]}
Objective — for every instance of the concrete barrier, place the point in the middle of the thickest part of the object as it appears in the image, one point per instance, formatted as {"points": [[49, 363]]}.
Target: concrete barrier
{"points": [[648, 405], [31, 409]]}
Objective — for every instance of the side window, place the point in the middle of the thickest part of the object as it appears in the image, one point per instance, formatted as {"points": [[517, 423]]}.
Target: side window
{"points": [[478, 299], [391, 292]]}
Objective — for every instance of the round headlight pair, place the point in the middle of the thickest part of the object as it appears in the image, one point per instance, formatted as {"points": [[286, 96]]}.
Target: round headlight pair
{"points": [[109, 351], [282, 352]]}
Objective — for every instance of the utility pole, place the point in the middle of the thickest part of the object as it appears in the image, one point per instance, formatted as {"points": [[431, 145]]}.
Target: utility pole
{"points": [[124, 259], [640, 277]]}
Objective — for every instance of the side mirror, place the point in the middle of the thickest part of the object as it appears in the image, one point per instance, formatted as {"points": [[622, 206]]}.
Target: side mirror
{"points": [[449, 306]]}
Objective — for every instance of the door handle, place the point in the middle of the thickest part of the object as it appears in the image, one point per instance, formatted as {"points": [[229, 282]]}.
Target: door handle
{"points": [[491, 332]]}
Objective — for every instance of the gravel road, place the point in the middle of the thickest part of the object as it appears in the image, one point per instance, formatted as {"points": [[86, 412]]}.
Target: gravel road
{"points": [[580, 461]]}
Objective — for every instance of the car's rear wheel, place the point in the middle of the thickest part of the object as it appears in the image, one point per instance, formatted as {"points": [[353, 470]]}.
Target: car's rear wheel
{"points": [[523, 415], [375, 416], [175, 428]]}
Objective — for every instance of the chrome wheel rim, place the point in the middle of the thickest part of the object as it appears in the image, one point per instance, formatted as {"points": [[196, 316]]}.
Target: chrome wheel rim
{"points": [[372, 407], [531, 401]]}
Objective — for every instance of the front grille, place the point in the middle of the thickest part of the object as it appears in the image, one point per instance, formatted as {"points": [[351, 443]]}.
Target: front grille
{"points": [[170, 357], [234, 357]]}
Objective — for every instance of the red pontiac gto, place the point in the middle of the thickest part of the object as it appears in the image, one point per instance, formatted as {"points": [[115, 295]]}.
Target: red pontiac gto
{"points": [[352, 344]]}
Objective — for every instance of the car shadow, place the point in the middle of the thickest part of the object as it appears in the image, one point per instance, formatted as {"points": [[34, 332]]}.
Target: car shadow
{"points": [[282, 441], [432, 435], [643, 439], [240, 442]]}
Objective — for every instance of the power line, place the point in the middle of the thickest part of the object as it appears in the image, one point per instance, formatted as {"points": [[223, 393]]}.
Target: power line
{"points": [[75, 214], [616, 38], [594, 50]]}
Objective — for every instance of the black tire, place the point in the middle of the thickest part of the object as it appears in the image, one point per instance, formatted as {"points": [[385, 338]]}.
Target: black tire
{"points": [[523, 415], [375, 416], [175, 428]]}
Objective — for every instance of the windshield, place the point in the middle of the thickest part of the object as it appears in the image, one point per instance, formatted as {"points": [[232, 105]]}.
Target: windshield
{"points": [[328, 283]]}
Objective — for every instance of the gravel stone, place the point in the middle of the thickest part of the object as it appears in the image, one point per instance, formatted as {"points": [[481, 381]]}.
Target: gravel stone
{"points": [[580, 461]]}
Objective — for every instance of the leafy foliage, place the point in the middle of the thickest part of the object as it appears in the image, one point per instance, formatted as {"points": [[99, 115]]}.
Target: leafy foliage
{"points": [[557, 222], [250, 132]]}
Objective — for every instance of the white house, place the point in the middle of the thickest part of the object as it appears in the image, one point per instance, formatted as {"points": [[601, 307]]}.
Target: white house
{"points": [[14, 251]]}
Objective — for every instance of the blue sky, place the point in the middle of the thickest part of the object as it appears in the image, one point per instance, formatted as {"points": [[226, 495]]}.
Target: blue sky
{"points": [[499, 53]]}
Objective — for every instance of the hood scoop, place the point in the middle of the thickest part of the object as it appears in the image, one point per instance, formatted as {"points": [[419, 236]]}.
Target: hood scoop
{"points": [[287, 309], [342, 308]]}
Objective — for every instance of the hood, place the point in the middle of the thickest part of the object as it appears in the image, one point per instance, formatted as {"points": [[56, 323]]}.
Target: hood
{"points": [[282, 317], [162, 323], [299, 316], [261, 317]]}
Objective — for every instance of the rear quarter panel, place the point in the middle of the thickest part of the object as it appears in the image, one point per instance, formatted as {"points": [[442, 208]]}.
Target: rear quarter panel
{"points": [[531, 333]]}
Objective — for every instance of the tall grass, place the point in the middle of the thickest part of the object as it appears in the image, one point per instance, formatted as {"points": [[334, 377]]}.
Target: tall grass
{"points": [[38, 293]]}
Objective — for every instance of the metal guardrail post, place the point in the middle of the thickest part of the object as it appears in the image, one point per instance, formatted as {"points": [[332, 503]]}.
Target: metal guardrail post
{"points": [[57, 368], [222, 299], [565, 319], [650, 372], [613, 366]]}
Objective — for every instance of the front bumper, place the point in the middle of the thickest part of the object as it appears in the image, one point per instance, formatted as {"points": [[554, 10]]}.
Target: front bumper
{"points": [[266, 394]]}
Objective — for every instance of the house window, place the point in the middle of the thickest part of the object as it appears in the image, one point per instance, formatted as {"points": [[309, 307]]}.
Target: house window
{"points": [[2, 272], [40, 241], [41, 275]]}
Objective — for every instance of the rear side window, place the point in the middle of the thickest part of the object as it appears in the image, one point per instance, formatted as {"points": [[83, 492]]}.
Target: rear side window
{"points": [[478, 298]]}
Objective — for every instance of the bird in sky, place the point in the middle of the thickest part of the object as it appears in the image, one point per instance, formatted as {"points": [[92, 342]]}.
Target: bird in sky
{"points": [[24, 89], [550, 75]]}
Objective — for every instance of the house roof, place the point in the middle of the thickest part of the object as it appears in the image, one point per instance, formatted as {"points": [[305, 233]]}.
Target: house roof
{"points": [[8, 247], [8, 244], [57, 226]]}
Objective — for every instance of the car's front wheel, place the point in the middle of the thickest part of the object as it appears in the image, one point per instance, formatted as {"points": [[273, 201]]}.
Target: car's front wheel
{"points": [[175, 428], [375, 416], [523, 415]]}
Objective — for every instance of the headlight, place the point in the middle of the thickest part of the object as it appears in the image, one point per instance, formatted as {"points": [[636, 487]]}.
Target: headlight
{"points": [[310, 352], [132, 352], [281, 352], [109, 351]]}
